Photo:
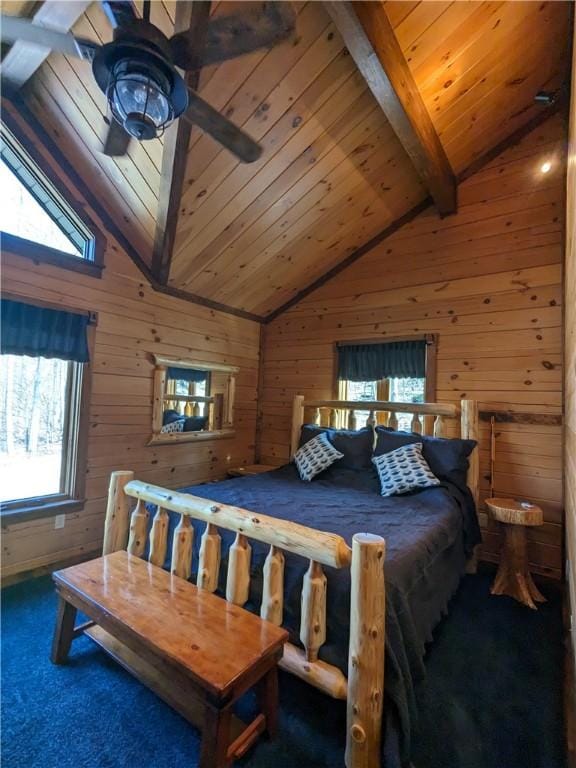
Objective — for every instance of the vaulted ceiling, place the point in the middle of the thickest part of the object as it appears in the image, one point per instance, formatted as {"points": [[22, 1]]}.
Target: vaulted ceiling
{"points": [[341, 163]]}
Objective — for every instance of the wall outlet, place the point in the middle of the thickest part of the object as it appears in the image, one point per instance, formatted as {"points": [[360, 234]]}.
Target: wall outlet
{"points": [[59, 521]]}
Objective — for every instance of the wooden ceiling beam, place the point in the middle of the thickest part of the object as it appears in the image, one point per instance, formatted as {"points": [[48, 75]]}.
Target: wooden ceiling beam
{"points": [[369, 37], [23, 59], [194, 17]]}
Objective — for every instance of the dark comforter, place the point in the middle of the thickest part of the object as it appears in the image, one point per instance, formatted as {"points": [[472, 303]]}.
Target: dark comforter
{"points": [[428, 537]]}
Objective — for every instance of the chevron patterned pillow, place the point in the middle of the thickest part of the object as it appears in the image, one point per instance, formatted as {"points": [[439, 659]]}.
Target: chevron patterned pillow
{"points": [[404, 469], [173, 426], [315, 456]]}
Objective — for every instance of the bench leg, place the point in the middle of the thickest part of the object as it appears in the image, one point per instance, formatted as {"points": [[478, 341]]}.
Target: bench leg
{"points": [[267, 692], [215, 738], [63, 631]]}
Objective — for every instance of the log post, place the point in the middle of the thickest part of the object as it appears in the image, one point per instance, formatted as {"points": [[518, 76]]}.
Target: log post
{"points": [[158, 403], [138, 529], [438, 426], [366, 654], [313, 613], [117, 513], [333, 418], [352, 420], [393, 420], [238, 579], [182, 544], [416, 424], [209, 564], [297, 421], [383, 394], [188, 410], [469, 431], [228, 402], [371, 420], [272, 608], [159, 538], [218, 415]]}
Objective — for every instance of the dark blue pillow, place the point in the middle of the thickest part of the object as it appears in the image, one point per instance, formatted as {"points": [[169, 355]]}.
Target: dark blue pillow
{"points": [[195, 423], [388, 440], [356, 445], [169, 416], [447, 458]]}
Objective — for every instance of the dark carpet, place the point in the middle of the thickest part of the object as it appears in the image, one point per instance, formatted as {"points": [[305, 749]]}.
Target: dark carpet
{"points": [[492, 697]]}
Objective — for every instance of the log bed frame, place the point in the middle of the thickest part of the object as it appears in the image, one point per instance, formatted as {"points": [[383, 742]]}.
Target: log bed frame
{"points": [[363, 688]]}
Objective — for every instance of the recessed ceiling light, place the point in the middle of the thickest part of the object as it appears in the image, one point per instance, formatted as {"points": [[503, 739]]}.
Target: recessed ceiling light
{"points": [[545, 167]]}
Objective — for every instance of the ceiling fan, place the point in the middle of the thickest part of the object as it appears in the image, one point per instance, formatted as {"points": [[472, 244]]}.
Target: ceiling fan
{"points": [[138, 72]]}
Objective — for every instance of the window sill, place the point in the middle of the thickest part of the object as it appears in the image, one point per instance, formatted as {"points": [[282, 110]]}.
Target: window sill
{"points": [[43, 254], [31, 509], [172, 438]]}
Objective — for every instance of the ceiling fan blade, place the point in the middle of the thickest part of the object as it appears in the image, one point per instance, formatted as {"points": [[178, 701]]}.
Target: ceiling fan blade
{"points": [[231, 36], [14, 28], [120, 13], [117, 140], [207, 118]]}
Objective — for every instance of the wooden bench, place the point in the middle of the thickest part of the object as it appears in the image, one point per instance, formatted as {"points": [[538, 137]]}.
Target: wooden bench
{"points": [[195, 650]]}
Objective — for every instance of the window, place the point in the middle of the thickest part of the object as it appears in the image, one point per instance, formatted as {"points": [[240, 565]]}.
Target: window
{"points": [[43, 385], [401, 371], [35, 219], [193, 400], [399, 390]]}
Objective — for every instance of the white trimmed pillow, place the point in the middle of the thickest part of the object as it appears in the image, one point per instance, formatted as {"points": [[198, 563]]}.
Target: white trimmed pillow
{"points": [[315, 456], [403, 470], [174, 426]]}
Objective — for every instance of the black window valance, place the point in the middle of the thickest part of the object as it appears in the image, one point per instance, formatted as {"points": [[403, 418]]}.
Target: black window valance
{"points": [[372, 362], [187, 374], [27, 329]]}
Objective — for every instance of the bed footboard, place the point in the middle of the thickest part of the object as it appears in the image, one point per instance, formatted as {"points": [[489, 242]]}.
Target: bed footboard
{"points": [[363, 688]]}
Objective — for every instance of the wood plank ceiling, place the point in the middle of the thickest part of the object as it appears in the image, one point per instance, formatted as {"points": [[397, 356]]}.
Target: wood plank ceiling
{"points": [[333, 173]]}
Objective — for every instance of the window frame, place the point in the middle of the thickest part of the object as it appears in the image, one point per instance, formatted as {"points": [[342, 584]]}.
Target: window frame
{"points": [[160, 378], [431, 340], [76, 423], [91, 264]]}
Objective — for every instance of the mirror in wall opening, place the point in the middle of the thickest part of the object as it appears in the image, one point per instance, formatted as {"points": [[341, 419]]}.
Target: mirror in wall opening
{"points": [[192, 400]]}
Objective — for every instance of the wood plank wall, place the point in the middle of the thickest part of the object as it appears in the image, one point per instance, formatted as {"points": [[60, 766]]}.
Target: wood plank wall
{"points": [[133, 322], [570, 369], [488, 281]]}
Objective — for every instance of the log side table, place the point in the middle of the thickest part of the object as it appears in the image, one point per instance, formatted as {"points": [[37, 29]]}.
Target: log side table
{"points": [[513, 577]]}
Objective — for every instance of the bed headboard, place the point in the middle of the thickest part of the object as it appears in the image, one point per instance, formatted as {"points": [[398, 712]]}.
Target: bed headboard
{"points": [[427, 419]]}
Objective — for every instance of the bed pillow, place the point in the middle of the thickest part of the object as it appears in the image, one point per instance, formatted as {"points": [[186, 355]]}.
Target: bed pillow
{"points": [[195, 423], [173, 426], [355, 445], [404, 469], [447, 458], [315, 456], [170, 415]]}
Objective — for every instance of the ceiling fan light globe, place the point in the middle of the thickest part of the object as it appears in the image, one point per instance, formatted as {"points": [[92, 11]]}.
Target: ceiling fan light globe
{"points": [[140, 101]]}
